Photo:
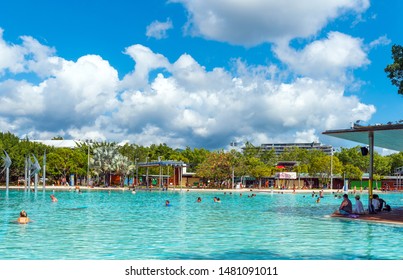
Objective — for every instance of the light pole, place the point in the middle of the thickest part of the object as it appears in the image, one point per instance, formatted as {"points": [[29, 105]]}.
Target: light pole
{"points": [[88, 165], [147, 172], [137, 171], [233, 144], [159, 162], [88, 141]]}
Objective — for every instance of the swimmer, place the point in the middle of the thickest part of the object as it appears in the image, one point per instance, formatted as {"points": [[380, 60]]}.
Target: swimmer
{"points": [[167, 203], [53, 198], [199, 199], [318, 200], [23, 218]]}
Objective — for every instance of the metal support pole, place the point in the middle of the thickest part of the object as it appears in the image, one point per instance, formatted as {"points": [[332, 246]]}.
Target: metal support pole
{"points": [[26, 173], [331, 170], [36, 182], [371, 169], [7, 178], [88, 165], [233, 175], [29, 173], [137, 172], [147, 172], [159, 162], [44, 171]]}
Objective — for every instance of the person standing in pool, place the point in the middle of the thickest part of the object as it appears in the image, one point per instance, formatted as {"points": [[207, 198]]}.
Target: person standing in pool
{"points": [[23, 219], [53, 198]]}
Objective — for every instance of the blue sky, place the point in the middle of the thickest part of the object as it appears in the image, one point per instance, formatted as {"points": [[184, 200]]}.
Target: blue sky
{"points": [[198, 73]]}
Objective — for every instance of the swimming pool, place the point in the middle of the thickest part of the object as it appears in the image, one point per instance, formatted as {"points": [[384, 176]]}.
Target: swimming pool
{"points": [[102, 225]]}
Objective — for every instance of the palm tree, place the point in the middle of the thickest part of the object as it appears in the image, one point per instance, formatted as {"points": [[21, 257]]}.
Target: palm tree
{"points": [[102, 161], [122, 166]]}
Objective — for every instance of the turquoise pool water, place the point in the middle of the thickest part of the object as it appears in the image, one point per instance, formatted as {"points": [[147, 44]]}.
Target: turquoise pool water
{"points": [[120, 225]]}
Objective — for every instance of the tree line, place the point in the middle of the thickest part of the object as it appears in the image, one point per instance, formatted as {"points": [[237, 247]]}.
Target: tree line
{"points": [[102, 159]]}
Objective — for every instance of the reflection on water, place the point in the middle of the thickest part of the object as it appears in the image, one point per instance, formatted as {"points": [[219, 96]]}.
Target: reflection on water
{"points": [[120, 225]]}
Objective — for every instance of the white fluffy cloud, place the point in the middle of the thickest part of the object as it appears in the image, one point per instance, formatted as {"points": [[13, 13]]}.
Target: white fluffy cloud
{"points": [[11, 56], [194, 106], [253, 22], [30, 56], [183, 104], [327, 58], [146, 61], [68, 94], [158, 29]]}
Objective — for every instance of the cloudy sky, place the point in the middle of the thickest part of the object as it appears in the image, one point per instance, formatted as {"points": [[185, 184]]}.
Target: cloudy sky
{"points": [[197, 73]]}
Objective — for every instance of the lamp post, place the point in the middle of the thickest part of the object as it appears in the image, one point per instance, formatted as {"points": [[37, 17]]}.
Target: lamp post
{"points": [[88, 165], [137, 171], [88, 141], [147, 172], [233, 144], [159, 162]]}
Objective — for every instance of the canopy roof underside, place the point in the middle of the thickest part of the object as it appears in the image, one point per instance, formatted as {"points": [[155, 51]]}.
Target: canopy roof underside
{"points": [[385, 136]]}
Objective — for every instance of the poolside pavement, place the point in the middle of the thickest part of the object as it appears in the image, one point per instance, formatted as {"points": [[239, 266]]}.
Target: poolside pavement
{"points": [[393, 217]]}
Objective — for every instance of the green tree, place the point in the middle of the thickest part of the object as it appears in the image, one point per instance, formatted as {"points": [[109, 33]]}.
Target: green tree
{"points": [[395, 69], [216, 168], [258, 169], [322, 166], [353, 172], [194, 157], [122, 167], [103, 160], [396, 161], [354, 157], [62, 162], [382, 165]]}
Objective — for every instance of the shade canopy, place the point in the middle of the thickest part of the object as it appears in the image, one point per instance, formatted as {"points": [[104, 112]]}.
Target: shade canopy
{"points": [[385, 136]]}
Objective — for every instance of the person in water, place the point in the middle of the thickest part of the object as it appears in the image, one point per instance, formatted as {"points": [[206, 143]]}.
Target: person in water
{"points": [[53, 198], [358, 208], [167, 203], [23, 218], [346, 207], [199, 199]]}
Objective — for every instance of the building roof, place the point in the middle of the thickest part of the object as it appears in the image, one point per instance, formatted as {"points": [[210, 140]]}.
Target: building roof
{"points": [[161, 163], [59, 143], [388, 136]]}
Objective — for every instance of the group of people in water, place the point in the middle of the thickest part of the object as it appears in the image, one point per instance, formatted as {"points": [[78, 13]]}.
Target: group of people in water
{"points": [[346, 206], [23, 218]]}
